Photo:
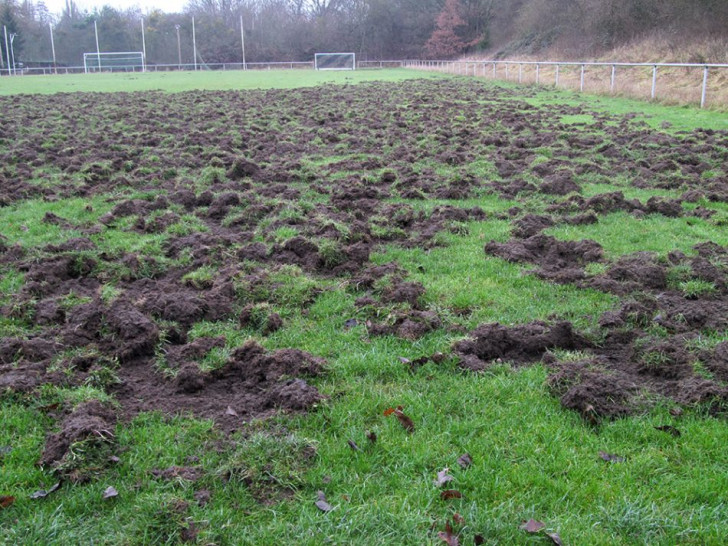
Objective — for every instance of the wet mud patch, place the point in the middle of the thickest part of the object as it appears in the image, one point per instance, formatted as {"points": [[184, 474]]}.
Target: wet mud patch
{"points": [[648, 348], [252, 383]]}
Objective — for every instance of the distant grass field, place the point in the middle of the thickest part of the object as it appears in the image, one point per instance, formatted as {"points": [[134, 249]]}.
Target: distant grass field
{"points": [[531, 458], [172, 82]]}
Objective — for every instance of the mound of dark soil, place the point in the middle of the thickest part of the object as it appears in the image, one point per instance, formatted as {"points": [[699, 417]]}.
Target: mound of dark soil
{"points": [[561, 261], [519, 344], [410, 325], [91, 419], [252, 383]]}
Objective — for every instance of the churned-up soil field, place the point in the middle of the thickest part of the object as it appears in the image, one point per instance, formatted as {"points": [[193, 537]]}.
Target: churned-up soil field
{"points": [[405, 312]]}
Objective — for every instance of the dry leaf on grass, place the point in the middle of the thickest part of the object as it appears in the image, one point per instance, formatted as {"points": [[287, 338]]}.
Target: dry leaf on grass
{"points": [[448, 494], [321, 503], [555, 538], [465, 460], [610, 458], [532, 526], [447, 536], [44, 493], [405, 421], [110, 493], [443, 477], [670, 430]]}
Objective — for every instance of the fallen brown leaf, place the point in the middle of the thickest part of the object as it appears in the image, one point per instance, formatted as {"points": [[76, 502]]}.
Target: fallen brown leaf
{"points": [[448, 494], [321, 503], [44, 493], [676, 412], [479, 539], [448, 536], [465, 460], [6, 501], [458, 519], [670, 430], [610, 458], [110, 493], [532, 526], [555, 538], [443, 477], [405, 421], [390, 411]]}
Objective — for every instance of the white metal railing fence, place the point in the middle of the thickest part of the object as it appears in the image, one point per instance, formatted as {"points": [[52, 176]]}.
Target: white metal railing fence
{"points": [[490, 68], [273, 65], [277, 65]]}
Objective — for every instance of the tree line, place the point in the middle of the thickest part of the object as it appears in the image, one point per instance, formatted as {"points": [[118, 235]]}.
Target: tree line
{"points": [[293, 30]]}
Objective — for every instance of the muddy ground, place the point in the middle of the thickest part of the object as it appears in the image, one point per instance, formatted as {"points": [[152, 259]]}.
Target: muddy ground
{"points": [[339, 170]]}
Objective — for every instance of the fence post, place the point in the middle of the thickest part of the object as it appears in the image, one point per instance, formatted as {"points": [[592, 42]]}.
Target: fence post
{"points": [[705, 87], [520, 72], [506, 70], [494, 70], [538, 70], [611, 82], [556, 82], [581, 80], [654, 81]]}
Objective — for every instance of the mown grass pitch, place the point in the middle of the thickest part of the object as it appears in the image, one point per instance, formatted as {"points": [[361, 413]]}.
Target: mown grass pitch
{"points": [[209, 80], [118, 179]]}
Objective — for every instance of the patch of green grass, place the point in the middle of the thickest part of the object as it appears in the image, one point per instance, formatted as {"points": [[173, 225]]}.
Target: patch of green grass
{"points": [[621, 233], [216, 80], [23, 224], [201, 278], [461, 276], [685, 118]]}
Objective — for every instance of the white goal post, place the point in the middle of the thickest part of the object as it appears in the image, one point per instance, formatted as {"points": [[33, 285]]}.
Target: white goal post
{"points": [[120, 61], [335, 61]]}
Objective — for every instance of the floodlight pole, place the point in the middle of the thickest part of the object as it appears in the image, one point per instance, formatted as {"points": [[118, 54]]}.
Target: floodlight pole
{"points": [[53, 48], [12, 52], [98, 51], [242, 39], [144, 49], [179, 49], [194, 43], [7, 48]]}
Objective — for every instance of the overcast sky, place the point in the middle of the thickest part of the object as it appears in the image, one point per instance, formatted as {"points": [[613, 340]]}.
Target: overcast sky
{"points": [[170, 6]]}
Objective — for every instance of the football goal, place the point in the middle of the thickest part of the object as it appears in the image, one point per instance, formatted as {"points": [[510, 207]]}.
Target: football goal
{"points": [[117, 61], [335, 61]]}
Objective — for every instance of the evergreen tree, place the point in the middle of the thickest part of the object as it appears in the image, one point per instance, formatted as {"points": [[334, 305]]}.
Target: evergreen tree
{"points": [[9, 21]]}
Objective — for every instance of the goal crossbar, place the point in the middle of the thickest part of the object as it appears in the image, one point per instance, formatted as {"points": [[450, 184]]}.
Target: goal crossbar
{"points": [[113, 60], [335, 61]]}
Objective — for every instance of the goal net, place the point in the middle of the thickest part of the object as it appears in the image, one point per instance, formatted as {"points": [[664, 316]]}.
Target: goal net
{"points": [[118, 61], [335, 61]]}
